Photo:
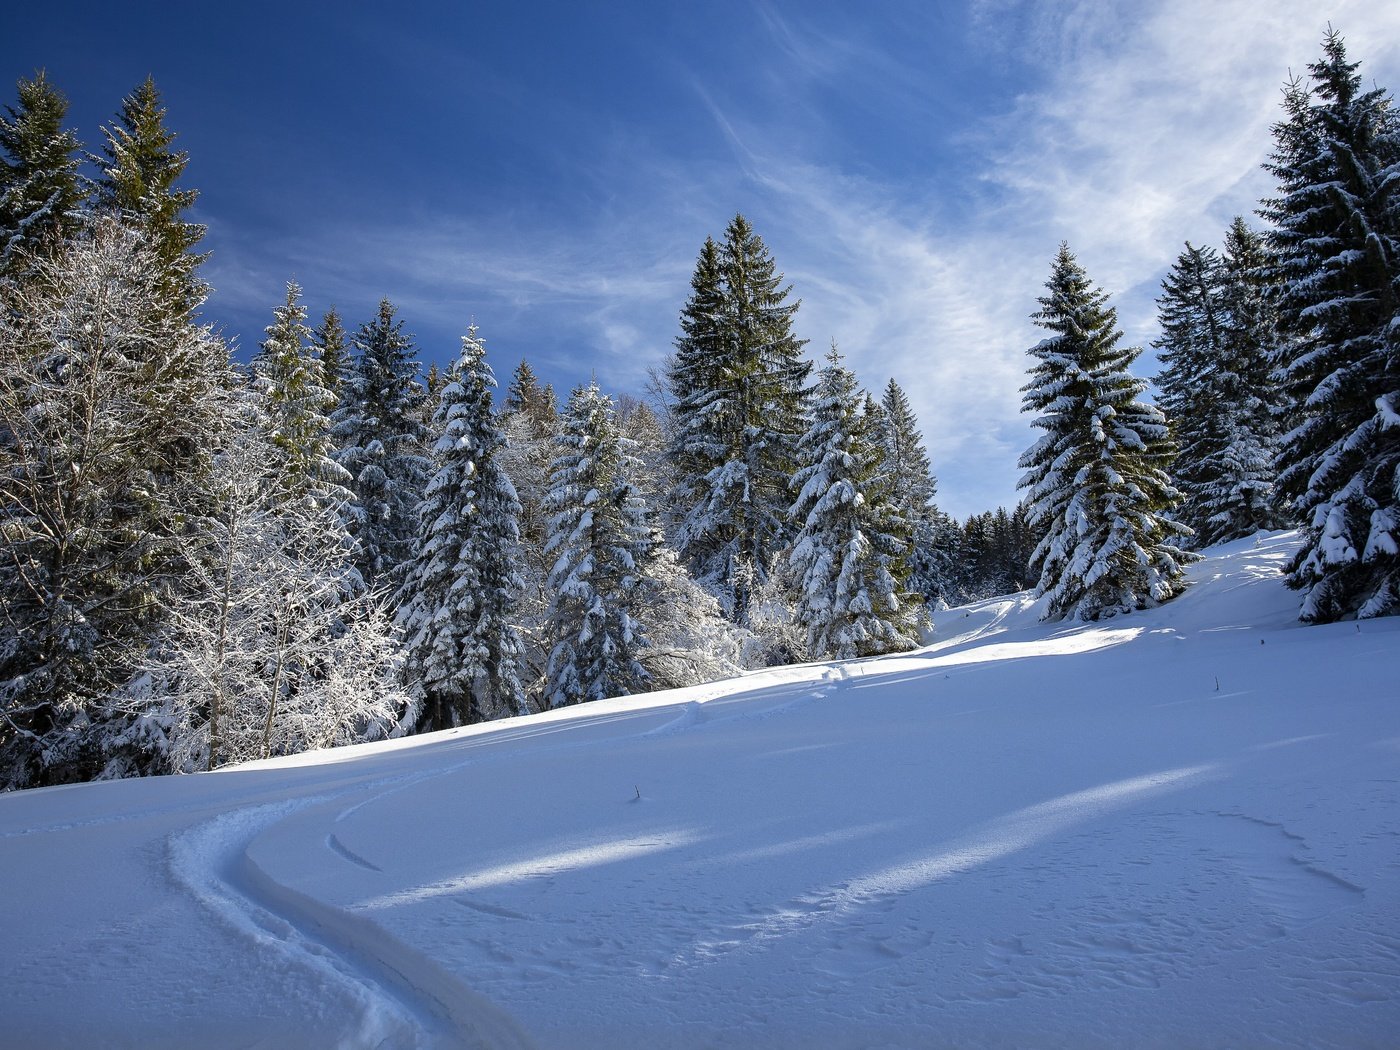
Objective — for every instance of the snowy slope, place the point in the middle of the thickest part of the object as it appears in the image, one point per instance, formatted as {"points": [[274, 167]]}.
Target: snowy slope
{"points": [[1175, 828]]}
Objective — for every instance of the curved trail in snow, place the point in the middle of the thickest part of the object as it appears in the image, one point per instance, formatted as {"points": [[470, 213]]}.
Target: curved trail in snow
{"points": [[401, 998]]}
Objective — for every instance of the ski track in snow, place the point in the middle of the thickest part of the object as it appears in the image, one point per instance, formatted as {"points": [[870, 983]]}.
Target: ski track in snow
{"points": [[404, 999]]}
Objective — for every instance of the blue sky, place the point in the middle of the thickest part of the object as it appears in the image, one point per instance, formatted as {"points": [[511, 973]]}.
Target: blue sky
{"points": [[551, 169]]}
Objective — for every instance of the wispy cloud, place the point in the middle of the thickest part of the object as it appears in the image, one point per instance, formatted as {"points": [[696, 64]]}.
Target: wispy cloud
{"points": [[1134, 131]]}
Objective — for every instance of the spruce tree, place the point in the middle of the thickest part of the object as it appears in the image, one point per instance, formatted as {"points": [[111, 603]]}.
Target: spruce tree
{"points": [[852, 543], [602, 542], [295, 407], [329, 342], [459, 596], [1217, 391], [138, 183], [41, 191], [1096, 482], [1336, 248], [382, 441], [913, 487], [739, 387]]}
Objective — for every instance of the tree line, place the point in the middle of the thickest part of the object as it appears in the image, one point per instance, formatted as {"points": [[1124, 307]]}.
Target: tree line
{"points": [[202, 563]]}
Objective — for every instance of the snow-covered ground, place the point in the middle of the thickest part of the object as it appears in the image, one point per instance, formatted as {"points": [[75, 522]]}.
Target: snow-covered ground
{"points": [[1176, 828]]}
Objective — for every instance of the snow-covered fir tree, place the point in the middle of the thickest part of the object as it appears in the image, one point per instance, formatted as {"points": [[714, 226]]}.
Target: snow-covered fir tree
{"points": [[602, 542], [1096, 484], [382, 441], [1217, 393], [738, 386], [851, 549], [294, 407], [1336, 244], [459, 596], [109, 403], [41, 190]]}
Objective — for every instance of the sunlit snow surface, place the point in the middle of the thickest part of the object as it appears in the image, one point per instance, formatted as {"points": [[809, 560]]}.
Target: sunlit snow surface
{"points": [[1175, 828]]}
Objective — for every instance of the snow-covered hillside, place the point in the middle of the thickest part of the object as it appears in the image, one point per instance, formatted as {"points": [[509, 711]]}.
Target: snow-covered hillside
{"points": [[1175, 828]]}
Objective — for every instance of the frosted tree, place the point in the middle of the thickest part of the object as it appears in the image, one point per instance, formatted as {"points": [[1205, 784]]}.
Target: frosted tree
{"points": [[1216, 391], [851, 547], [1336, 245], [530, 423], [459, 596], [689, 640], [41, 190], [382, 441], [275, 647], [1096, 485], [109, 404], [602, 542], [738, 384]]}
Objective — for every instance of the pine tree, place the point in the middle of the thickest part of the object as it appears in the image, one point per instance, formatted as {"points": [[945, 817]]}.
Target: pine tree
{"points": [[329, 342], [1336, 246], [1216, 392], [851, 545], [137, 183], [382, 441], [41, 191], [109, 407], [459, 596], [602, 542], [739, 387], [913, 486], [1249, 382], [295, 407], [1097, 487]]}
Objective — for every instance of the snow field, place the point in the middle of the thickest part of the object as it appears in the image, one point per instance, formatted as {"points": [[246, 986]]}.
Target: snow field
{"points": [[1178, 827]]}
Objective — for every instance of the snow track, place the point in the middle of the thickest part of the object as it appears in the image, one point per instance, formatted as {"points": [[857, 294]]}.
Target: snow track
{"points": [[400, 998]]}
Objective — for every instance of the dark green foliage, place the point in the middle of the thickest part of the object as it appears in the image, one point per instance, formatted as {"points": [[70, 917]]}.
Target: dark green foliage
{"points": [[739, 386], [1336, 249], [382, 442], [138, 183], [993, 554], [41, 192], [1217, 389], [331, 349], [930, 568]]}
